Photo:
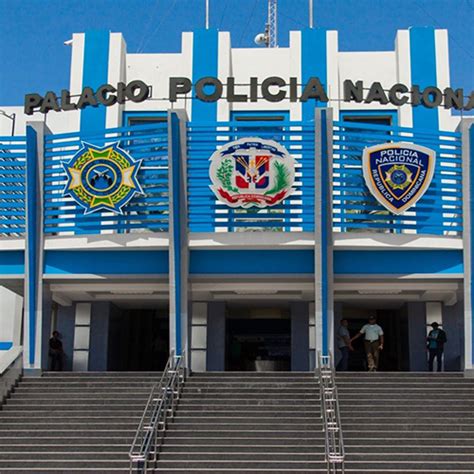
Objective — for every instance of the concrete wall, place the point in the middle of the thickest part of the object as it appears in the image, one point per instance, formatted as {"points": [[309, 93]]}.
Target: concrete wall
{"points": [[453, 324], [416, 314], [99, 337], [216, 336], [65, 324], [299, 336]]}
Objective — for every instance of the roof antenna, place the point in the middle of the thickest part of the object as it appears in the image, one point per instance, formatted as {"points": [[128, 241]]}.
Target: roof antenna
{"points": [[269, 37]]}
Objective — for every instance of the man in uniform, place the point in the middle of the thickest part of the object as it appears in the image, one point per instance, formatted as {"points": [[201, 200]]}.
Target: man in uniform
{"points": [[373, 342]]}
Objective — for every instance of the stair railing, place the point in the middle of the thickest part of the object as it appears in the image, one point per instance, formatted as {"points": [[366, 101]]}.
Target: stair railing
{"points": [[334, 442], [160, 408]]}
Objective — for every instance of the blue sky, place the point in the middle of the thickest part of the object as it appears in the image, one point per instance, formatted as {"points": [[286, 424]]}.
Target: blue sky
{"points": [[33, 57]]}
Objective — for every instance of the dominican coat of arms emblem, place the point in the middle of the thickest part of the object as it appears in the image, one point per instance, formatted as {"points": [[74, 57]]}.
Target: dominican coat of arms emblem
{"points": [[102, 178], [398, 174], [252, 172]]}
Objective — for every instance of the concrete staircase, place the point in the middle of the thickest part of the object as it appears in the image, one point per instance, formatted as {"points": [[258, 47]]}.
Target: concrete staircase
{"points": [[407, 422], [73, 422], [246, 423]]}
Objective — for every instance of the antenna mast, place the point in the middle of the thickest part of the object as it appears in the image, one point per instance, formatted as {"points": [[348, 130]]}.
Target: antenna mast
{"points": [[271, 28]]}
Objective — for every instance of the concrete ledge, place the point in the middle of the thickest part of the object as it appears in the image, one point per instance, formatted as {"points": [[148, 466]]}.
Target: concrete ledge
{"points": [[109, 241]]}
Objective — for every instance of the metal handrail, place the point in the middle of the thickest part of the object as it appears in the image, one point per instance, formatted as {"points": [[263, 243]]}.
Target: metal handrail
{"points": [[334, 441], [160, 407]]}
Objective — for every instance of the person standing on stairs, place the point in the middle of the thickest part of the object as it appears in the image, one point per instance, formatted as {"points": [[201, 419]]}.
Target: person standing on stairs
{"points": [[373, 342], [435, 344], [344, 344], [56, 352]]}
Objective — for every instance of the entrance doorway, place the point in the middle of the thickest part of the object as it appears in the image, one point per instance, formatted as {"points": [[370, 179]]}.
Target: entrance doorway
{"points": [[395, 354], [258, 339], [138, 339]]}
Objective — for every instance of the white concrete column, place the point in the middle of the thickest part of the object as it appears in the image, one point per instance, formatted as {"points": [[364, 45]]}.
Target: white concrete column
{"points": [[82, 330], [199, 337]]}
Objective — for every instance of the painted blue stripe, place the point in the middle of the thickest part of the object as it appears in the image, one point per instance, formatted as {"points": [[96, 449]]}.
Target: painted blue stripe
{"points": [[423, 73], [106, 262], [324, 231], [313, 63], [32, 234], [205, 63], [471, 239], [95, 73], [4, 346], [251, 261], [12, 262], [177, 237], [361, 262]]}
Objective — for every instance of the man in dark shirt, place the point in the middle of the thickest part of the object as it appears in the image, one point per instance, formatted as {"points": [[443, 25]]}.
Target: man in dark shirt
{"points": [[435, 345], [56, 352]]}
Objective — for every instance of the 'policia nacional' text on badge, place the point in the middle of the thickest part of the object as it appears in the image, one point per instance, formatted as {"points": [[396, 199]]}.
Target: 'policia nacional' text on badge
{"points": [[398, 174], [252, 172], [102, 178]]}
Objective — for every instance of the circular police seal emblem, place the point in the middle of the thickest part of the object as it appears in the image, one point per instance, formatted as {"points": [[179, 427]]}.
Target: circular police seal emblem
{"points": [[102, 178], [252, 172]]}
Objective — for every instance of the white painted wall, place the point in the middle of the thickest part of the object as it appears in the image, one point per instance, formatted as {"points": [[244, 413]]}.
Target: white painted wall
{"points": [[368, 67], [11, 310]]}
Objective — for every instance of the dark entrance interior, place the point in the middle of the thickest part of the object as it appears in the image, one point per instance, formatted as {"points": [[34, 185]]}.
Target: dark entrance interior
{"points": [[258, 339], [394, 323], [138, 339]]}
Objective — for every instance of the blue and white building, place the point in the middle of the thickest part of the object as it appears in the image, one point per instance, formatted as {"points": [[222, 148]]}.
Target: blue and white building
{"points": [[238, 289]]}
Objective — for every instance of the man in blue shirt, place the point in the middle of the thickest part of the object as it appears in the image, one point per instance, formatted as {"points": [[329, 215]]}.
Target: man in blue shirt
{"points": [[435, 345]]}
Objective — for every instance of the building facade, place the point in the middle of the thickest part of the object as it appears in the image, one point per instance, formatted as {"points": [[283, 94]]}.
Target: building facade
{"points": [[237, 288]]}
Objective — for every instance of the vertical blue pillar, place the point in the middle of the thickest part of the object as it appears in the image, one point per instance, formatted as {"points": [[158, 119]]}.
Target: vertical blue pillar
{"points": [[467, 129], [178, 238], [313, 64], [33, 283], [95, 68], [323, 251], [423, 74], [205, 63]]}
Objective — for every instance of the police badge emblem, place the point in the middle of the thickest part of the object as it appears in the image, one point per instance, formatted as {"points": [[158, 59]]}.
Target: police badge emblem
{"points": [[398, 174], [252, 172], [102, 178]]}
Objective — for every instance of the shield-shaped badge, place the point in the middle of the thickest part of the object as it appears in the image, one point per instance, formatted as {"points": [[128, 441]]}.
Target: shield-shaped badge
{"points": [[398, 174]]}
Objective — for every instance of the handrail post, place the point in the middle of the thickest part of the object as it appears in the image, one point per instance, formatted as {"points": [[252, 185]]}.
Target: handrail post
{"points": [[334, 442]]}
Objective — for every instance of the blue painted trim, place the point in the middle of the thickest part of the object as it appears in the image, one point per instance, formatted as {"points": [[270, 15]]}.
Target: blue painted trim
{"points": [[205, 63], [471, 239], [324, 231], [177, 237], [240, 262], [4, 346], [106, 262], [32, 235], [12, 262], [361, 262], [95, 73], [313, 63]]}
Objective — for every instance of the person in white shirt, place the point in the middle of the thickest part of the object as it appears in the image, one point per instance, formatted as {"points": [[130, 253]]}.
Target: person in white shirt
{"points": [[373, 342]]}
